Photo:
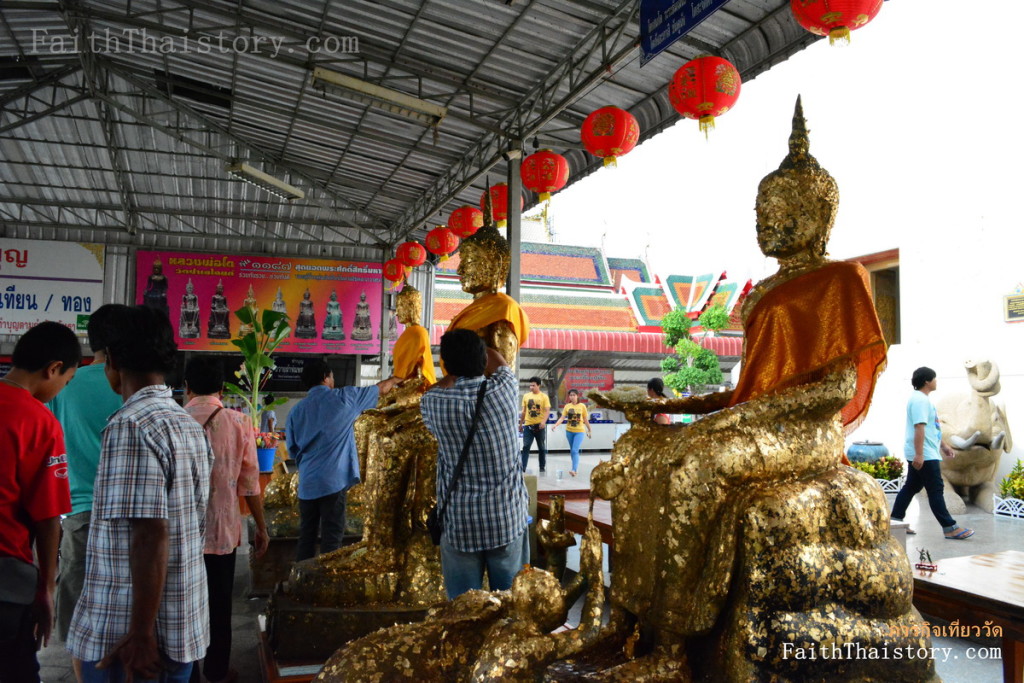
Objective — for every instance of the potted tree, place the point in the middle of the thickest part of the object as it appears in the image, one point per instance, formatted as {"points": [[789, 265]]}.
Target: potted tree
{"points": [[265, 331]]}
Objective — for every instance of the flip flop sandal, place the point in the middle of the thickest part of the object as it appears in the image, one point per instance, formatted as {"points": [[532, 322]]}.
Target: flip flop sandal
{"points": [[911, 532], [962, 535]]}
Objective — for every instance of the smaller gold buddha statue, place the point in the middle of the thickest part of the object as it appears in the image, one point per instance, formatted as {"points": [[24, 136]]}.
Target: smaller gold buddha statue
{"points": [[250, 303]]}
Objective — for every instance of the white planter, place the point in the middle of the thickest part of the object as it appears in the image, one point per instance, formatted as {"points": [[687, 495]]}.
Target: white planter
{"points": [[891, 485], [1008, 507]]}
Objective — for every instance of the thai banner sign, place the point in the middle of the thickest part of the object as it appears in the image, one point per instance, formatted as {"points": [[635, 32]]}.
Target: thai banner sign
{"points": [[332, 306], [60, 281], [663, 22], [585, 379]]}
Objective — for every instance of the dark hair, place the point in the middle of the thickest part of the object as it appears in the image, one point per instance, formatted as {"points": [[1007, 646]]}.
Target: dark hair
{"points": [[99, 326], [268, 399], [537, 381], [315, 373], [141, 340], [45, 343], [463, 353], [573, 391], [922, 376], [657, 385], [204, 375]]}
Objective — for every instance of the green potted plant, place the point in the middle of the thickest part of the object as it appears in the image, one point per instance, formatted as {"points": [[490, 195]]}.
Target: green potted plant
{"points": [[886, 470], [266, 331], [1010, 501]]}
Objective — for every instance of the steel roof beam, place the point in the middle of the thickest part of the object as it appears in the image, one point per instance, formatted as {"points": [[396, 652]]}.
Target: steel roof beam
{"points": [[571, 72], [218, 128]]}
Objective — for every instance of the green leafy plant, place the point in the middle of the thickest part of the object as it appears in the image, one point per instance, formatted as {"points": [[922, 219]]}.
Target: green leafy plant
{"points": [[888, 467], [1012, 485], [268, 330], [693, 368]]}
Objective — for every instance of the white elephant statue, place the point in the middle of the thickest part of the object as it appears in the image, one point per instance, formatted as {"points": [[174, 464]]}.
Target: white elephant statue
{"points": [[975, 427]]}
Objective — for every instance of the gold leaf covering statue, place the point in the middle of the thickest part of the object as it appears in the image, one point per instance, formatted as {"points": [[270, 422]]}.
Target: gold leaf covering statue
{"points": [[744, 549]]}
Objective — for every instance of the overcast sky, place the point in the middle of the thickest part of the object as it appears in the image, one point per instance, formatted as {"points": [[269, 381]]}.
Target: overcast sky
{"points": [[918, 119]]}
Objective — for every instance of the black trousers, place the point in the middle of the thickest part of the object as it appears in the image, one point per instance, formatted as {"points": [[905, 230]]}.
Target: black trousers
{"points": [[929, 477], [18, 663], [326, 515], [220, 584], [538, 433]]}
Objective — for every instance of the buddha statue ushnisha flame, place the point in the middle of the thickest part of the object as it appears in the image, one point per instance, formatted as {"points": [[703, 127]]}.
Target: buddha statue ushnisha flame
{"points": [[483, 268]]}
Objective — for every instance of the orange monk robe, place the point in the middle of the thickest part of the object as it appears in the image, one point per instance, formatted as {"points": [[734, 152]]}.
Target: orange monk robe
{"points": [[490, 309], [412, 352], [803, 325]]}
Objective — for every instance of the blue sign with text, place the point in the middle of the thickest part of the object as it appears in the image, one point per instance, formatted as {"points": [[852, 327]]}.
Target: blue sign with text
{"points": [[663, 22]]}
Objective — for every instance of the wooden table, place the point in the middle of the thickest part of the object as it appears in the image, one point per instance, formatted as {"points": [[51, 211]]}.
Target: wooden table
{"points": [[977, 589], [576, 516]]}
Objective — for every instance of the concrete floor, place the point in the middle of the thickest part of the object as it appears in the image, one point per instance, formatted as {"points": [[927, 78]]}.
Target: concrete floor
{"points": [[962, 665]]}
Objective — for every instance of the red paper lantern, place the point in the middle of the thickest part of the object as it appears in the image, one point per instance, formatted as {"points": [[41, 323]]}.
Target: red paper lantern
{"points": [[411, 254], [394, 272], [441, 241], [834, 18], [704, 88], [499, 203], [465, 220], [544, 172], [610, 132]]}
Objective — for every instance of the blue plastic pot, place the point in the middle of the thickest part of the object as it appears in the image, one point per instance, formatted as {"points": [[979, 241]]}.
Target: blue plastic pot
{"points": [[866, 451], [266, 458]]}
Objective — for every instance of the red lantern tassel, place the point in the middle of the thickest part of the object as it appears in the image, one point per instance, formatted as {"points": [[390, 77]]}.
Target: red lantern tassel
{"points": [[706, 124], [839, 33], [545, 196], [444, 257], [611, 161]]}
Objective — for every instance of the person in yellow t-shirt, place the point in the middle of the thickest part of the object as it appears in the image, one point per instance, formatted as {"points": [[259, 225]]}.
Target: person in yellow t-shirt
{"points": [[577, 421], [536, 407]]}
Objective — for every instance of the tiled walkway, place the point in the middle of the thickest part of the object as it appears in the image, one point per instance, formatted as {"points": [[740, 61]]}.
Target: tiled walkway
{"points": [[992, 534]]}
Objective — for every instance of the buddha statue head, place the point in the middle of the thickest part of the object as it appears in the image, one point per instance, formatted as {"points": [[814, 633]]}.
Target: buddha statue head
{"points": [[409, 305], [158, 266], [796, 204], [189, 289], [334, 295], [484, 257]]}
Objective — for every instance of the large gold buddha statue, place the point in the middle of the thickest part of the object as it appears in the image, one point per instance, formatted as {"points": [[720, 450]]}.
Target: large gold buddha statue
{"points": [[768, 551], [744, 549], [483, 269]]}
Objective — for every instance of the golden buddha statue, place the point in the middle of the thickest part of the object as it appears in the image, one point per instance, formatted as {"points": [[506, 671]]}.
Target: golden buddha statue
{"points": [[768, 551], [483, 270], [744, 549], [412, 354]]}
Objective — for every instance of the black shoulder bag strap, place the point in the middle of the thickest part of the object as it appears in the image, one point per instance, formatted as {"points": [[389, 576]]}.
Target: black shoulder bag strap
{"points": [[465, 450]]}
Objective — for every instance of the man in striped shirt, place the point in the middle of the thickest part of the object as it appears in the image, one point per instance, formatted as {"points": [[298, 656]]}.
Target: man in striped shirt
{"points": [[484, 518], [143, 610]]}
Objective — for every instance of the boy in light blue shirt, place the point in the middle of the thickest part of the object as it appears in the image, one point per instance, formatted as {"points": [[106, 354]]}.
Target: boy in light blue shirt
{"points": [[921, 448]]}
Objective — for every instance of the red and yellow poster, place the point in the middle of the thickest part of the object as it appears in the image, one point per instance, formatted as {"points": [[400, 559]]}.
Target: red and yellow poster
{"points": [[332, 306]]}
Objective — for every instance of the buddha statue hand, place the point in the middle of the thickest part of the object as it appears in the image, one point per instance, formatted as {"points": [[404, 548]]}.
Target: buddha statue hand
{"points": [[608, 479]]}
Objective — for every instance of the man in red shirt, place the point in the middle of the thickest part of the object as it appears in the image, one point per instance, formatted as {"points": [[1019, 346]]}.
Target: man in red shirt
{"points": [[33, 493]]}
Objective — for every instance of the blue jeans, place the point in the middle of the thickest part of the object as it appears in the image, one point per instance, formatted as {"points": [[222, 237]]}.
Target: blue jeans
{"points": [[540, 433], [465, 571], [575, 440], [174, 672], [929, 477]]}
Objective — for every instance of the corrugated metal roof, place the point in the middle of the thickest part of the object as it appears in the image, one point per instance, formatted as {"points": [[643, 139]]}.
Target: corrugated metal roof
{"points": [[131, 146]]}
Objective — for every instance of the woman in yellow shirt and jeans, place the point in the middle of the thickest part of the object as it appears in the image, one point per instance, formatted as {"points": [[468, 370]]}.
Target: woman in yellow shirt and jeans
{"points": [[577, 420]]}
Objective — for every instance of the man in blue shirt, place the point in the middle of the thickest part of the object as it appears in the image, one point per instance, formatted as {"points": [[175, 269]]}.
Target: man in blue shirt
{"points": [[82, 409], [484, 517], [321, 441], [921, 448]]}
